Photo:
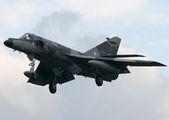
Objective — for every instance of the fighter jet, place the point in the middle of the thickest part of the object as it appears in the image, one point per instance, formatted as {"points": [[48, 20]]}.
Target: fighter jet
{"points": [[58, 64]]}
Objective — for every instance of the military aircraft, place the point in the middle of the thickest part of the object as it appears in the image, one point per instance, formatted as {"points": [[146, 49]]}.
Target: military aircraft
{"points": [[58, 64]]}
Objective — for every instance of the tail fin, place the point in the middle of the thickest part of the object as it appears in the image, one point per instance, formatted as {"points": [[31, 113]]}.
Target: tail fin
{"points": [[109, 47]]}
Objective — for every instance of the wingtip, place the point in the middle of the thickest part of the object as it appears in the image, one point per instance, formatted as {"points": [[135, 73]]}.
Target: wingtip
{"points": [[142, 56], [161, 64]]}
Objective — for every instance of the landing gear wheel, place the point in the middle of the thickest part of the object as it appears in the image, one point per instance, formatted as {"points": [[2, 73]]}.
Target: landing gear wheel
{"points": [[34, 77], [99, 81], [52, 88]]}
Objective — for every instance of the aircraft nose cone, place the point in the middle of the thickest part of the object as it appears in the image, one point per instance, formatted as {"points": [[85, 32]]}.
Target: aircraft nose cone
{"points": [[8, 43]]}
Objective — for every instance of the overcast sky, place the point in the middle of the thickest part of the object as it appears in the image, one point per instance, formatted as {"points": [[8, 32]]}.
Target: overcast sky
{"points": [[143, 26]]}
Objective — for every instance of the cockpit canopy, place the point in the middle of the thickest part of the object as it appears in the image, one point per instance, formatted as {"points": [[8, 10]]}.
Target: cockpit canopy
{"points": [[29, 36]]}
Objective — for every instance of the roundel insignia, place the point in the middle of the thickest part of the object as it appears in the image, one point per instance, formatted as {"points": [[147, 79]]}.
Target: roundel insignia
{"points": [[33, 44], [95, 53]]}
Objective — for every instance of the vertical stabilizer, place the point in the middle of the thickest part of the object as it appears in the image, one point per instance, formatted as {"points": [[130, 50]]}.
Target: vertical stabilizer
{"points": [[109, 47]]}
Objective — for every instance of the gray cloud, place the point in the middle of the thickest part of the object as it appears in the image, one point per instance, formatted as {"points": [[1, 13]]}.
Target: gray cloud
{"points": [[88, 41], [57, 25]]}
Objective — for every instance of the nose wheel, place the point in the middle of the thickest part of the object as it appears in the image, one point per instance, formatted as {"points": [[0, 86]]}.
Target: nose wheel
{"points": [[31, 74]]}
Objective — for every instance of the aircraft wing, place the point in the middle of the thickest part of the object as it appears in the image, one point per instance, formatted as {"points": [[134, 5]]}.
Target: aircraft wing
{"points": [[121, 62]]}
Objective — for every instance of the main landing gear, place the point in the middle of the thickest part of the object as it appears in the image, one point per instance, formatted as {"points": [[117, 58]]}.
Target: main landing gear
{"points": [[99, 80], [53, 84], [52, 87]]}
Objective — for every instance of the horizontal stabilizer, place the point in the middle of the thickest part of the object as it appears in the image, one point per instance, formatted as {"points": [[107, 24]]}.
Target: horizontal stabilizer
{"points": [[118, 56]]}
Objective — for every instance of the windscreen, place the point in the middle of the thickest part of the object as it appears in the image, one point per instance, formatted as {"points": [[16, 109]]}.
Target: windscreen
{"points": [[29, 36], [26, 36], [35, 37]]}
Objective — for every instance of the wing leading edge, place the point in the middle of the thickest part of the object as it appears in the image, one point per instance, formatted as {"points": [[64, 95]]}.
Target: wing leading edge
{"points": [[118, 56], [138, 62]]}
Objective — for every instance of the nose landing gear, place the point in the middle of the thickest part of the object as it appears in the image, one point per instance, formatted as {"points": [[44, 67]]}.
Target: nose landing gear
{"points": [[31, 74]]}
